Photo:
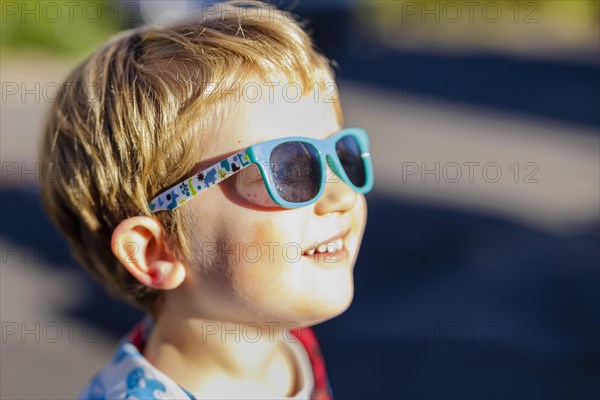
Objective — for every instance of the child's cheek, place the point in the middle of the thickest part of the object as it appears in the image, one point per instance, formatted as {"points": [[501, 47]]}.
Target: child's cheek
{"points": [[251, 187], [263, 231], [269, 238]]}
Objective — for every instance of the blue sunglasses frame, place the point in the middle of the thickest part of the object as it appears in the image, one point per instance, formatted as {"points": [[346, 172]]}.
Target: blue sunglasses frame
{"points": [[260, 154]]}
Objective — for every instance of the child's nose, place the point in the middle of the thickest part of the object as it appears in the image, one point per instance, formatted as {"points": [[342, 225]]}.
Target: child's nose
{"points": [[337, 196]]}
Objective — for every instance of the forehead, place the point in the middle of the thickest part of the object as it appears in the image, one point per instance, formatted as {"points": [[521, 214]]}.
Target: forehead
{"points": [[274, 108]]}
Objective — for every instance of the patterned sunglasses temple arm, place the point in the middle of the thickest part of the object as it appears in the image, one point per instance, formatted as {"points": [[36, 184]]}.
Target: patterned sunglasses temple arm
{"points": [[191, 187]]}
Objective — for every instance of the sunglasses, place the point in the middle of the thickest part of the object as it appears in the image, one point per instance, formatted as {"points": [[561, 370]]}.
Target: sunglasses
{"points": [[292, 168]]}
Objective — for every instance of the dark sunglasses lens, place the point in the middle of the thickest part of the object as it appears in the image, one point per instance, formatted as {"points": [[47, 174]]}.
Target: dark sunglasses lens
{"points": [[296, 171], [348, 152]]}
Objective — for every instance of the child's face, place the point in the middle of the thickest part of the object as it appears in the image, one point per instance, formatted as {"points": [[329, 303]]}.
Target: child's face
{"points": [[251, 267]]}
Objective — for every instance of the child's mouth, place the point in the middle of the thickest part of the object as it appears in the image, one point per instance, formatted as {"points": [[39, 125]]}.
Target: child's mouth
{"points": [[329, 251], [329, 257]]}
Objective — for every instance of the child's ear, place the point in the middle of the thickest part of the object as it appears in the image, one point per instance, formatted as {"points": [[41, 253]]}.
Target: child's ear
{"points": [[138, 242]]}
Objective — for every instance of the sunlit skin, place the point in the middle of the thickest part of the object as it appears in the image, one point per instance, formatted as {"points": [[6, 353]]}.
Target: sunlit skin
{"points": [[255, 288]]}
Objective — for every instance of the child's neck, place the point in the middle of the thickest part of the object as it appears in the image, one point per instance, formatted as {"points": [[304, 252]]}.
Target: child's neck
{"points": [[213, 359]]}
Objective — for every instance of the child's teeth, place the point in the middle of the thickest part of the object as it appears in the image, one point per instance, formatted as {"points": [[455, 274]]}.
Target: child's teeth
{"points": [[330, 247]]}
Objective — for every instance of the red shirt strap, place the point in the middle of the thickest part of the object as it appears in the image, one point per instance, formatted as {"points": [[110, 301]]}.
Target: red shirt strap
{"points": [[307, 337]]}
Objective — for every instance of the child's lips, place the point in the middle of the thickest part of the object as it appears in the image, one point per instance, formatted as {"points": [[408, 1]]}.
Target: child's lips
{"points": [[329, 258], [326, 248]]}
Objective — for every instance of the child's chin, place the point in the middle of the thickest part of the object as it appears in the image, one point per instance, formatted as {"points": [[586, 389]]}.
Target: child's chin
{"points": [[327, 308]]}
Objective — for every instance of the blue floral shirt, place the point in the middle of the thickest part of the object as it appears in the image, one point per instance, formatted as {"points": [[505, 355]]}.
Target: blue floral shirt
{"points": [[129, 375]]}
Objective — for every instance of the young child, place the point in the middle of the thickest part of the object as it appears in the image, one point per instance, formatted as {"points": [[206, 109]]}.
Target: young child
{"points": [[201, 172]]}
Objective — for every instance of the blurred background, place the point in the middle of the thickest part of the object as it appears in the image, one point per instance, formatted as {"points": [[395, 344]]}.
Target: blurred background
{"points": [[479, 274]]}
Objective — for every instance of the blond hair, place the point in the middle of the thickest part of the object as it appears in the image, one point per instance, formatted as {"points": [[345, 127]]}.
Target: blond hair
{"points": [[123, 128]]}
